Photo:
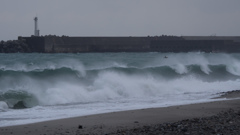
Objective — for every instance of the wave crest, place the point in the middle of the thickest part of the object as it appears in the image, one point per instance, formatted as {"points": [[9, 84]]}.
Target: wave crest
{"points": [[64, 79]]}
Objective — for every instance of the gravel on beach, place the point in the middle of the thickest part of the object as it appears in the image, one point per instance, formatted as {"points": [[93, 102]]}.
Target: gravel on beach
{"points": [[224, 123]]}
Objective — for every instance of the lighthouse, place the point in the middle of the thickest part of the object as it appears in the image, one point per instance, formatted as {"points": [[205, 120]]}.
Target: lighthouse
{"points": [[36, 30]]}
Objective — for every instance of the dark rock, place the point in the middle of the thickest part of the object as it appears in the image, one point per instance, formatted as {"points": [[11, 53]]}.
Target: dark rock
{"points": [[184, 129], [14, 46], [80, 126], [19, 105]]}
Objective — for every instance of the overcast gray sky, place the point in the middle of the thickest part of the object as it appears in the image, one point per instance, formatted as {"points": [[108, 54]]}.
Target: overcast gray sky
{"points": [[120, 17]]}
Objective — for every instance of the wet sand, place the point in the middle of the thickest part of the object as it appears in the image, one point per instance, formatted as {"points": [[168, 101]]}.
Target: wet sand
{"points": [[125, 120]]}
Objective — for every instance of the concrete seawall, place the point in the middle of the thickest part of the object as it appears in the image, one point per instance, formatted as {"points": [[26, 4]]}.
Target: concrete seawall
{"points": [[54, 44], [96, 44]]}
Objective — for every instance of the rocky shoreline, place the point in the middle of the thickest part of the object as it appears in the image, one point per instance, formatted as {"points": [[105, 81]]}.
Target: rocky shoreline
{"points": [[224, 123], [14, 46], [230, 94]]}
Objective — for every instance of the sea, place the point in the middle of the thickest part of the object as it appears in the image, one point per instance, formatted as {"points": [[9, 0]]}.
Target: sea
{"points": [[56, 86]]}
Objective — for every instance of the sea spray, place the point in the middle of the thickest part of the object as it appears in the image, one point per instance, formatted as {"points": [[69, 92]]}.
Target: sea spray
{"points": [[3, 106], [66, 85]]}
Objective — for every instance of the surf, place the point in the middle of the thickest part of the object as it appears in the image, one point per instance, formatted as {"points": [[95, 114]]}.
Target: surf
{"points": [[111, 81]]}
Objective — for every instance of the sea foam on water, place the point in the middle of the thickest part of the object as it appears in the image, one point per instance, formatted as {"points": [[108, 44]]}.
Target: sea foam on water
{"points": [[56, 86]]}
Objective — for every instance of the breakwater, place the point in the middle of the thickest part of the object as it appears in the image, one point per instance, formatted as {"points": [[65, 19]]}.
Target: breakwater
{"points": [[14, 46], [65, 44]]}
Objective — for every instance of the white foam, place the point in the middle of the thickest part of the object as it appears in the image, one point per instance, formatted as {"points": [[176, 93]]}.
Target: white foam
{"points": [[234, 68], [3, 106], [109, 90], [110, 85], [180, 68], [46, 65]]}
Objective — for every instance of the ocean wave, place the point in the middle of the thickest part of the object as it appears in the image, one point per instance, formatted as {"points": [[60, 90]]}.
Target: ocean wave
{"points": [[167, 71], [107, 85], [83, 78], [12, 97]]}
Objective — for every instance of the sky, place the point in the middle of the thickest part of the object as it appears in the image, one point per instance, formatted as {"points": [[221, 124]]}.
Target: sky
{"points": [[120, 17]]}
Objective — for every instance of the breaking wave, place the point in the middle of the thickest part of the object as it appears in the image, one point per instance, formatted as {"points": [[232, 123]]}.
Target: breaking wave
{"points": [[47, 79]]}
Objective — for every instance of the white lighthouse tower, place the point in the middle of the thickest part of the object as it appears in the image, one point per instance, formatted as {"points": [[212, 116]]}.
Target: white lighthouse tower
{"points": [[36, 30]]}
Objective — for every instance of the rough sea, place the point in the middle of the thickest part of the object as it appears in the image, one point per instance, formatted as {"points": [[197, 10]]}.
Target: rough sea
{"points": [[54, 86]]}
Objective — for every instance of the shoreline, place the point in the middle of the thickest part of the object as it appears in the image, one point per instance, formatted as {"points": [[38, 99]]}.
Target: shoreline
{"points": [[126, 120]]}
